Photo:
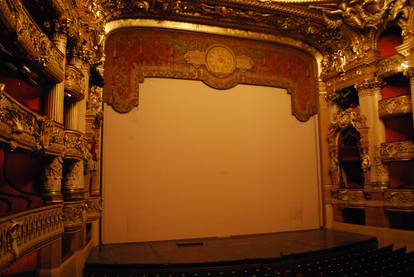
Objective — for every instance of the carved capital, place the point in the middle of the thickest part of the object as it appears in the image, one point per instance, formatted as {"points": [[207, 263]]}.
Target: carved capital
{"points": [[73, 82], [369, 86], [52, 179]]}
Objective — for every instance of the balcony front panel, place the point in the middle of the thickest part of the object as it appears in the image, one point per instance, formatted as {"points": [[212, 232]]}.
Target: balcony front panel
{"points": [[397, 151], [396, 106]]}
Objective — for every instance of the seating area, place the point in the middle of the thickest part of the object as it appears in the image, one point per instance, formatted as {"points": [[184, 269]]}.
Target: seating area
{"points": [[353, 260]]}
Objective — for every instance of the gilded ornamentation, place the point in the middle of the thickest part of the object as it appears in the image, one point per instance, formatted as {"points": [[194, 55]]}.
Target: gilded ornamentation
{"points": [[397, 151], [348, 196], [365, 160], [94, 103], [31, 38], [74, 215], [390, 66], [396, 106], [72, 174], [73, 82], [399, 199], [381, 168], [369, 87], [343, 119], [75, 145], [94, 209], [27, 231], [52, 179], [360, 14]]}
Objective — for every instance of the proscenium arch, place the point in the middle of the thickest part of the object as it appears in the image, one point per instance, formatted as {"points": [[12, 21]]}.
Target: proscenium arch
{"points": [[200, 72]]}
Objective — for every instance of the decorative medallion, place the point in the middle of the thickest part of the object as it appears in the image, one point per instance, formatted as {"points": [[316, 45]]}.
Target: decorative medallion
{"points": [[220, 60]]}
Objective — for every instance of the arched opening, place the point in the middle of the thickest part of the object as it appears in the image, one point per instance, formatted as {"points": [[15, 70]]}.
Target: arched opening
{"points": [[349, 158]]}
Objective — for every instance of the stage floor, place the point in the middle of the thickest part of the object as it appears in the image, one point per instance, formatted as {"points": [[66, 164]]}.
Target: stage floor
{"points": [[213, 250]]}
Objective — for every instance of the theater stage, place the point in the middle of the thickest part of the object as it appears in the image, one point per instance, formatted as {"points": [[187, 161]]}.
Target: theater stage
{"points": [[233, 249]]}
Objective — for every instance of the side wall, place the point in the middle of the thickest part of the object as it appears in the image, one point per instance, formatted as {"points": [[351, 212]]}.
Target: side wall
{"points": [[192, 161]]}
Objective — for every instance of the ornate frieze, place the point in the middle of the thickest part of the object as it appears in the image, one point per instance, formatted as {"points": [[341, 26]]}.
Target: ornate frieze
{"points": [[74, 215], [397, 151], [73, 82], [33, 42], [401, 199], [24, 232], [76, 145], [396, 106], [221, 62], [348, 197], [94, 209]]}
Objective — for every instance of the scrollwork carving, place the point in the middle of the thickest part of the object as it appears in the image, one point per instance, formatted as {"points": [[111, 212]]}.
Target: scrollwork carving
{"points": [[348, 196], [343, 119]]}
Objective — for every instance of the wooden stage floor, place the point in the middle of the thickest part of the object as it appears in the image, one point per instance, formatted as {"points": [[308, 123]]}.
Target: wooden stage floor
{"points": [[235, 248]]}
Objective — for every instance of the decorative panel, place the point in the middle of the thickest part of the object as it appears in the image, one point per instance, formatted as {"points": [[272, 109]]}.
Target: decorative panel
{"points": [[94, 209], [74, 215], [396, 106], [400, 199], [220, 62], [22, 233], [397, 151], [75, 144], [349, 197], [33, 42]]}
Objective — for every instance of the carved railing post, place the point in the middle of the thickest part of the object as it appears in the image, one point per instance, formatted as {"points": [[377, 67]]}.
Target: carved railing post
{"points": [[369, 92]]}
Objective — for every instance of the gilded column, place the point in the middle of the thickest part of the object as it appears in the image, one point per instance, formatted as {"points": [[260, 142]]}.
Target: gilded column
{"points": [[55, 97], [376, 173]]}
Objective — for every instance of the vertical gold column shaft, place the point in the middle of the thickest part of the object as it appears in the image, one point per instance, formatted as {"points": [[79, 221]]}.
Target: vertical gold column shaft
{"points": [[412, 95], [369, 95], [72, 116], [55, 97]]}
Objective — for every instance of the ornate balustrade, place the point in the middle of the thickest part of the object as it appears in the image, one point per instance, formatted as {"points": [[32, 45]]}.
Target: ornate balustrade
{"points": [[397, 151], [22, 128], [396, 106], [25, 232], [41, 51]]}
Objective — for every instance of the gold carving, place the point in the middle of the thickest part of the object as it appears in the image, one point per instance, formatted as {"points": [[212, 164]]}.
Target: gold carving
{"points": [[32, 40], [94, 209], [360, 14], [348, 196], [390, 66], [73, 82], [401, 199], [74, 215], [345, 118], [396, 106], [76, 145], [397, 151], [52, 179], [22, 233]]}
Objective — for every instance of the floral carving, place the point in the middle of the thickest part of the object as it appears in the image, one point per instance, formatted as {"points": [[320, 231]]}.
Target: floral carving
{"points": [[74, 216], [348, 196], [400, 199]]}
